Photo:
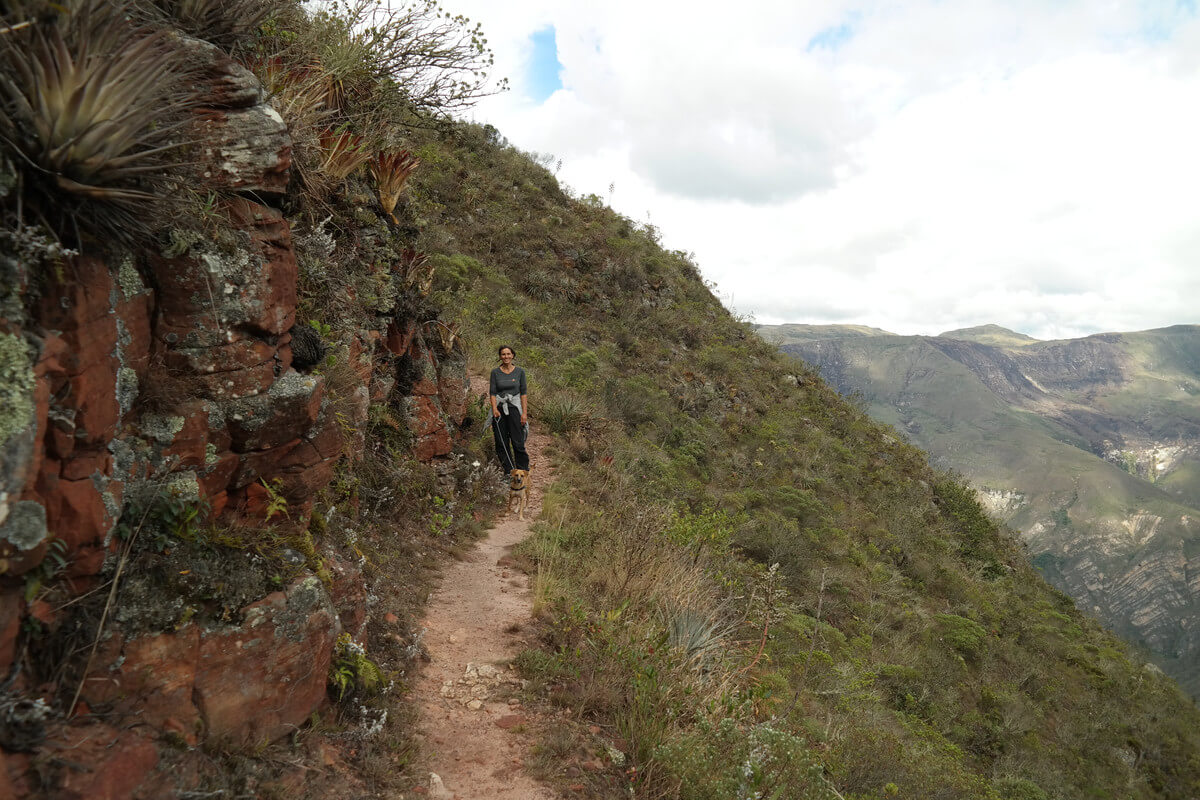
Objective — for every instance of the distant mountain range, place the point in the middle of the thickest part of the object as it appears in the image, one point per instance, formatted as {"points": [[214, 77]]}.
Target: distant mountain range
{"points": [[1089, 447]]}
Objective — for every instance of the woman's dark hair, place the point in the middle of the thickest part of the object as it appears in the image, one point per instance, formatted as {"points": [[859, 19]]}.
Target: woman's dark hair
{"points": [[504, 347]]}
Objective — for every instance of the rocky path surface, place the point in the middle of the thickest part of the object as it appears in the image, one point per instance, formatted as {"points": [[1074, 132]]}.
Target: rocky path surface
{"points": [[472, 727]]}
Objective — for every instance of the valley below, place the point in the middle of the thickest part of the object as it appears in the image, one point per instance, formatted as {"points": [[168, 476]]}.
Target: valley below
{"points": [[1089, 448]]}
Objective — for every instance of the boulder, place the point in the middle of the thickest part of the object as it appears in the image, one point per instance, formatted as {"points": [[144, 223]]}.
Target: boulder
{"points": [[153, 678], [244, 685], [227, 84], [281, 414], [216, 295], [105, 763], [429, 428], [242, 149], [264, 678]]}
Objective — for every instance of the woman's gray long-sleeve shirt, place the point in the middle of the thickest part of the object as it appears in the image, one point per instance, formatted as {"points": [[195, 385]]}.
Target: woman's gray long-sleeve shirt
{"points": [[507, 388]]}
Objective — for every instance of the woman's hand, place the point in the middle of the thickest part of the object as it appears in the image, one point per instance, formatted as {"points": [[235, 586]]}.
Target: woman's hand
{"points": [[524, 418]]}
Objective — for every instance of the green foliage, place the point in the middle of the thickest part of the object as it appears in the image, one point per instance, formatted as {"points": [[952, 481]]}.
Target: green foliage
{"points": [[726, 761], [440, 518], [453, 273], [579, 371], [160, 515], [351, 672], [697, 635], [978, 533], [1020, 789], [708, 530], [426, 61], [637, 400], [964, 635], [276, 503], [564, 413]]}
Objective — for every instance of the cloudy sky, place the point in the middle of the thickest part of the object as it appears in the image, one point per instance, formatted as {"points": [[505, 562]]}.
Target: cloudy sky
{"points": [[915, 166]]}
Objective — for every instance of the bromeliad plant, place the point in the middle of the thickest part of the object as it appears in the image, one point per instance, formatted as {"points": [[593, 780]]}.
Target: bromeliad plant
{"points": [[344, 152], [391, 171], [227, 23], [91, 110]]}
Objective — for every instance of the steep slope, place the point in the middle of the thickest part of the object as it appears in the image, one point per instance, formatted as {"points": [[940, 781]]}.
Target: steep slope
{"points": [[1086, 446], [797, 334], [746, 586], [750, 585]]}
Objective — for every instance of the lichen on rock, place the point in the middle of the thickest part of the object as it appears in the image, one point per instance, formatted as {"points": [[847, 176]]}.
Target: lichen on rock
{"points": [[162, 429], [16, 387], [127, 388], [184, 485], [128, 279], [25, 525]]}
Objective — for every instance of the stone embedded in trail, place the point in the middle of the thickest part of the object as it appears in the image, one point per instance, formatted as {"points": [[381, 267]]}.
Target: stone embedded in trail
{"points": [[478, 683]]}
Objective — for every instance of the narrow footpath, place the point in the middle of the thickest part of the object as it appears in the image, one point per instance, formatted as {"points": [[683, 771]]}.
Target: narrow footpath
{"points": [[472, 727]]}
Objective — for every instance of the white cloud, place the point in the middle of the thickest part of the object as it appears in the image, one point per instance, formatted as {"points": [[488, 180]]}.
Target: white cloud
{"points": [[915, 167]]}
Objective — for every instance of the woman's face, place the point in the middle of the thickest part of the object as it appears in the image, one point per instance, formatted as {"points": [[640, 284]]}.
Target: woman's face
{"points": [[506, 357]]}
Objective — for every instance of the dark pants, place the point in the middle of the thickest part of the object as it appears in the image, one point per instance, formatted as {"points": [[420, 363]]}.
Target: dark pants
{"points": [[509, 434]]}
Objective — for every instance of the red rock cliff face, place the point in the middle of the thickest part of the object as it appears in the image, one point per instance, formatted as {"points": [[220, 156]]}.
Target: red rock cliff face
{"points": [[215, 317]]}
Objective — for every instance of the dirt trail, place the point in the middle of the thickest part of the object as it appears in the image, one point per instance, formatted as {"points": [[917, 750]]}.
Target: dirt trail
{"points": [[471, 728]]}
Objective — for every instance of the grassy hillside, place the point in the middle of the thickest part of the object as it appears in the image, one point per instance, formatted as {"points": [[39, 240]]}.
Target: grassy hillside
{"points": [[1086, 446], [795, 334], [748, 587], [747, 583], [990, 334]]}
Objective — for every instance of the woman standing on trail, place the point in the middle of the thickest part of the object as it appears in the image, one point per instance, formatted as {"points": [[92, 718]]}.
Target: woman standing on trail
{"points": [[510, 412]]}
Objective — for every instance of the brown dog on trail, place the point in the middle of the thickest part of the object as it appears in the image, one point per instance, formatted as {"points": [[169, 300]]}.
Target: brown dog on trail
{"points": [[518, 492]]}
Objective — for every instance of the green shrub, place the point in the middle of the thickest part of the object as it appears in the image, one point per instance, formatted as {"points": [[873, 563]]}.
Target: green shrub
{"points": [[452, 273], [966, 636], [727, 761], [1020, 789], [564, 413], [637, 400]]}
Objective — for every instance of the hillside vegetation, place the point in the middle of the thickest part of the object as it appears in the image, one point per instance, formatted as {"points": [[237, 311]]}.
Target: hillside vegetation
{"points": [[746, 579], [747, 588], [1087, 446]]}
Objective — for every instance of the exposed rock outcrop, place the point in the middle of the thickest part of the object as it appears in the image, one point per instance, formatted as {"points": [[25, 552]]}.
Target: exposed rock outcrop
{"points": [[169, 375]]}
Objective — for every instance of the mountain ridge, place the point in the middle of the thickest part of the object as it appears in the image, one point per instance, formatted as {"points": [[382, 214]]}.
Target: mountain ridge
{"points": [[1088, 446]]}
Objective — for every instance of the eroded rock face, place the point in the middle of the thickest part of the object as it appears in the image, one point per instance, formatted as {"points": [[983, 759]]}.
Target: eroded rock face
{"points": [[243, 684], [169, 375]]}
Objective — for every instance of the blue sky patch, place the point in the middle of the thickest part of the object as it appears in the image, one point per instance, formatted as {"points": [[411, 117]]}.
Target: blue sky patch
{"points": [[831, 38], [1160, 23], [544, 77]]}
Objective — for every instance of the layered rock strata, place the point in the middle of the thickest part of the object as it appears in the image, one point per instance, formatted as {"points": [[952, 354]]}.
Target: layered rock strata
{"points": [[169, 375]]}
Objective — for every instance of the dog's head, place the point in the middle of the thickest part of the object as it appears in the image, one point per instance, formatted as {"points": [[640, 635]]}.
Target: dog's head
{"points": [[518, 479]]}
